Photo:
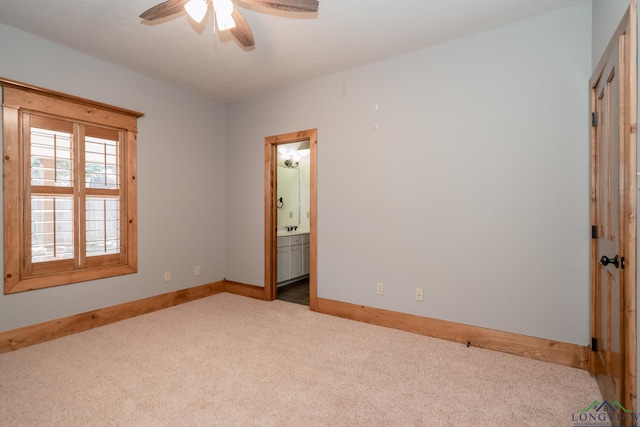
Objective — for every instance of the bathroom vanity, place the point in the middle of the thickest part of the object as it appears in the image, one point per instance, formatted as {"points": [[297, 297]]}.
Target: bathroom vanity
{"points": [[293, 256]]}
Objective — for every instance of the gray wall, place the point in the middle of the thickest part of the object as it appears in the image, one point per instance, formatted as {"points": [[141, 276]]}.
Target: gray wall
{"points": [[181, 178], [470, 180], [606, 15]]}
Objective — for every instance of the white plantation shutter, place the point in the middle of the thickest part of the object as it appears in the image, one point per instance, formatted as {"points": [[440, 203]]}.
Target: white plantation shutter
{"points": [[69, 188]]}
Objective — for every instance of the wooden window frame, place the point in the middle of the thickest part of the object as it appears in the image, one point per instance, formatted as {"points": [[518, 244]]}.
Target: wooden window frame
{"points": [[18, 99]]}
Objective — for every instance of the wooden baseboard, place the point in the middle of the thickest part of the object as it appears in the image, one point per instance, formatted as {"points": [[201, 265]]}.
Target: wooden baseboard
{"points": [[245, 290], [561, 353], [41, 332], [535, 348]]}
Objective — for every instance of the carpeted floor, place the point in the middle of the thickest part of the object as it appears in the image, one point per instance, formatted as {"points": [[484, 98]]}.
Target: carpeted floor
{"points": [[227, 360]]}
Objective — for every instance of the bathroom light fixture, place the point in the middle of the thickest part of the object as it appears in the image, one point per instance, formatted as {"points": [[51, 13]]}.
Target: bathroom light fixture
{"points": [[291, 164], [291, 159]]}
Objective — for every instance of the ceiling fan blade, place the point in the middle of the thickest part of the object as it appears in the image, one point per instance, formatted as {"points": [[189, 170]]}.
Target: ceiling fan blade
{"points": [[241, 31], [164, 9], [287, 5]]}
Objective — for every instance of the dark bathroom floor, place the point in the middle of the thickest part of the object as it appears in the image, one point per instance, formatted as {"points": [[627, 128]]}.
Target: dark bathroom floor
{"points": [[297, 292]]}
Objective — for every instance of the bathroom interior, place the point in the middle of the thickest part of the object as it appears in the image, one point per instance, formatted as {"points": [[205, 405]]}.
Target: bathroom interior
{"points": [[293, 203]]}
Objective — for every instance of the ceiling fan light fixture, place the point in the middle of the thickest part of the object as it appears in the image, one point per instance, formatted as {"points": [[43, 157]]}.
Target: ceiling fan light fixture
{"points": [[225, 22], [223, 10], [223, 7], [226, 15], [196, 9]]}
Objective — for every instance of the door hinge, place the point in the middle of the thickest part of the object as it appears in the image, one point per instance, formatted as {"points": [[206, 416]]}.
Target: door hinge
{"points": [[594, 119], [594, 231], [594, 344], [622, 263]]}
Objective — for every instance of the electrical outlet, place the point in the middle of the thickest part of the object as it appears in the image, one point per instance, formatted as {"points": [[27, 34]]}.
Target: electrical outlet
{"points": [[167, 276], [379, 288], [196, 270], [419, 294]]}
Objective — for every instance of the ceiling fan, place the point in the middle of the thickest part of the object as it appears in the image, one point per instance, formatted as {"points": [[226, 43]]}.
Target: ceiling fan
{"points": [[227, 16]]}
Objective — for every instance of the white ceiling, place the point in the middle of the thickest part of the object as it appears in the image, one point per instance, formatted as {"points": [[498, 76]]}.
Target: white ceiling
{"points": [[343, 34]]}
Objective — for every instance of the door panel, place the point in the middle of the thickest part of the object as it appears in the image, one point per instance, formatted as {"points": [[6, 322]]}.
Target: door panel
{"points": [[608, 280]]}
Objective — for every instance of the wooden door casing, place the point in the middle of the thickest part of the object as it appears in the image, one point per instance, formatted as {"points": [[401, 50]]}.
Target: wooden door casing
{"points": [[271, 216]]}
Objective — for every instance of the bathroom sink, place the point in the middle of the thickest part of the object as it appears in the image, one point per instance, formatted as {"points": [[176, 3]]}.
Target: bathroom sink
{"points": [[291, 233]]}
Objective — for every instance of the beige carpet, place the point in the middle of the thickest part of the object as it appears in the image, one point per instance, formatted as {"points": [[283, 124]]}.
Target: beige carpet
{"points": [[233, 361]]}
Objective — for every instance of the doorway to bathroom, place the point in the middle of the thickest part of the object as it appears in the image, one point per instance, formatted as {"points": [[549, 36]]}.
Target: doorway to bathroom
{"points": [[291, 217]]}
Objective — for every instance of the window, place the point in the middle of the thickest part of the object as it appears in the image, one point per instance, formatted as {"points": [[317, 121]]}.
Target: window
{"points": [[69, 189]]}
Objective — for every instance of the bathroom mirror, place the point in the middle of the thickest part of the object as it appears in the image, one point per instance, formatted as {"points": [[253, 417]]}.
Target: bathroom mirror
{"points": [[292, 199]]}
